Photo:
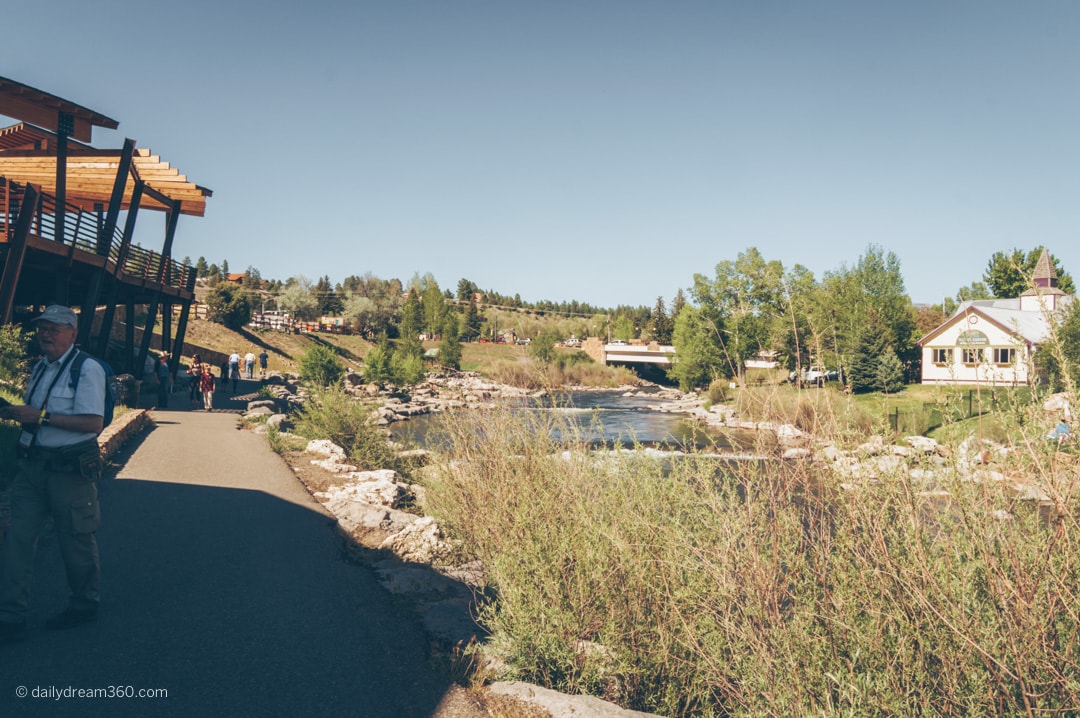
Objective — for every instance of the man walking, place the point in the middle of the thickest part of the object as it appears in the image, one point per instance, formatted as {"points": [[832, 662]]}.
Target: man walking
{"points": [[234, 369], [163, 381], [59, 462]]}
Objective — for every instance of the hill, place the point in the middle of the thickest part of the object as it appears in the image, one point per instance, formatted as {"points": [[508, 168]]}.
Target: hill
{"points": [[284, 348]]}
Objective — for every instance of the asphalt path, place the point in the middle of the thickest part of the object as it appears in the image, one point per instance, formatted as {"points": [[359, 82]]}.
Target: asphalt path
{"points": [[225, 586]]}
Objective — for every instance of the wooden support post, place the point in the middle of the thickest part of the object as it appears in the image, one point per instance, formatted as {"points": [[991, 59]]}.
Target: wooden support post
{"points": [[148, 331], [181, 332], [9, 279], [106, 230], [65, 126], [166, 249], [129, 341], [166, 326]]}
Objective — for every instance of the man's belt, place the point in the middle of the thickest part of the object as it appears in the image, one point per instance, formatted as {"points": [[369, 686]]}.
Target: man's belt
{"points": [[61, 458]]}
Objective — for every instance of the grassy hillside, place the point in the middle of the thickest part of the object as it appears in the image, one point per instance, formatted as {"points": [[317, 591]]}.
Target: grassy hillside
{"points": [[285, 349]]}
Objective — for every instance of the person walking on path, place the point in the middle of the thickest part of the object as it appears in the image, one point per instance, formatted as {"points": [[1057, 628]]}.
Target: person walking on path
{"points": [[249, 365], [58, 466], [207, 387], [234, 369], [162, 373], [194, 374], [224, 376], [263, 359]]}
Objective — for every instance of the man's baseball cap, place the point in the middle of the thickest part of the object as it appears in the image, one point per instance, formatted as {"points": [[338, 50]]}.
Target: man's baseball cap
{"points": [[58, 314]]}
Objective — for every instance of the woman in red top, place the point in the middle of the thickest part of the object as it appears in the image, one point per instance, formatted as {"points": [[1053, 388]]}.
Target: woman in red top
{"points": [[206, 385]]}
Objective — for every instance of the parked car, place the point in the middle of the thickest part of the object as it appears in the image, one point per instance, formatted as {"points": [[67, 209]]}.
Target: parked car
{"points": [[815, 374]]}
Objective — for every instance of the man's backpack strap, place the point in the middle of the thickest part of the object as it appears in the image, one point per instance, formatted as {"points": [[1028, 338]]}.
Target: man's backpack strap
{"points": [[76, 369]]}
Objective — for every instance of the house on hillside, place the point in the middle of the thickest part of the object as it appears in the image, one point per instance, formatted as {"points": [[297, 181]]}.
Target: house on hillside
{"points": [[994, 341]]}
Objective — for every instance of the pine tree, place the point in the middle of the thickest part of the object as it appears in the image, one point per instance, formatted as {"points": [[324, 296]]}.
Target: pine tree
{"points": [[450, 346], [890, 373], [661, 323], [472, 321], [409, 329], [871, 347]]}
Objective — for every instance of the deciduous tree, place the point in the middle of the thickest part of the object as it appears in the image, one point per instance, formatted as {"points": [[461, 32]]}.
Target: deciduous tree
{"points": [[228, 304], [697, 350], [298, 300], [1009, 274]]}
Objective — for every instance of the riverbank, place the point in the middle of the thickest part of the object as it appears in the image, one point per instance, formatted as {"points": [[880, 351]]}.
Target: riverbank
{"points": [[599, 555]]}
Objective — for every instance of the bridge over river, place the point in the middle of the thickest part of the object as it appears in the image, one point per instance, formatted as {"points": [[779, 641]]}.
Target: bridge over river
{"points": [[623, 353]]}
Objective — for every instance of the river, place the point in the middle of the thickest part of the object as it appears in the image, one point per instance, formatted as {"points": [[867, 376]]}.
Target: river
{"points": [[605, 418]]}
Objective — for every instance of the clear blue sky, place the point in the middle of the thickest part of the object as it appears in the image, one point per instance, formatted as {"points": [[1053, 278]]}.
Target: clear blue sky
{"points": [[600, 151]]}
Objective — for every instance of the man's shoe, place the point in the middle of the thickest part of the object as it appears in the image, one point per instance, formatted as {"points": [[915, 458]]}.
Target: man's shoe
{"points": [[12, 632], [71, 618]]}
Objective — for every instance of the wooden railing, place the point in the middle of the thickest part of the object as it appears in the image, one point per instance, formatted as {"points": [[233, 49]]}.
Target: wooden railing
{"points": [[83, 230]]}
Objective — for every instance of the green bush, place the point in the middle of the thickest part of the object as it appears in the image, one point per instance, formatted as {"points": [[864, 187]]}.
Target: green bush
{"points": [[343, 419], [718, 391], [13, 374], [407, 368], [377, 363], [320, 366]]}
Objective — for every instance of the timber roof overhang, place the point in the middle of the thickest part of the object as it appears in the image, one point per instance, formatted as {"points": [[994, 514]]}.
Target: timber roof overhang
{"points": [[29, 104], [28, 155]]}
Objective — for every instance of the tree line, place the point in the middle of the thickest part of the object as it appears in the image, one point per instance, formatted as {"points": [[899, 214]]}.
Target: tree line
{"points": [[856, 318]]}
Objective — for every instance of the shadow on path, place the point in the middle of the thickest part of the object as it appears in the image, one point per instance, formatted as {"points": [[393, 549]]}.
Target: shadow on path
{"points": [[227, 585]]}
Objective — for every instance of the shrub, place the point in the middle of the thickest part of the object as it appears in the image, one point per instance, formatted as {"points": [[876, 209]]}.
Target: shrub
{"points": [[408, 368], [13, 350], [717, 393], [343, 419], [377, 369], [320, 366]]}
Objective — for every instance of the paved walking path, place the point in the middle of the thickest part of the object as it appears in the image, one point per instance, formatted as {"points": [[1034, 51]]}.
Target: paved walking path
{"points": [[224, 583]]}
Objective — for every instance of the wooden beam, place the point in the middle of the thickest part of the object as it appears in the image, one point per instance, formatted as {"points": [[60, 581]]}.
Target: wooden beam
{"points": [[9, 279]]}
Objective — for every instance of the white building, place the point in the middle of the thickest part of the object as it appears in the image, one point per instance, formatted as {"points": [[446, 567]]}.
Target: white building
{"points": [[994, 341]]}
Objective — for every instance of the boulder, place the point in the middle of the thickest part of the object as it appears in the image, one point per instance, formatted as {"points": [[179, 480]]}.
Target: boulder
{"points": [[358, 516], [324, 447], [922, 443], [419, 542], [561, 704]]}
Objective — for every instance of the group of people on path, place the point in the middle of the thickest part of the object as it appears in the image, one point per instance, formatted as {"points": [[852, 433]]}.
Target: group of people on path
{"points": [[201, 382]]}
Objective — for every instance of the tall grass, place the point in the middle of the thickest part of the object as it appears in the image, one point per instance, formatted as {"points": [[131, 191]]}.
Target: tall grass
{"points": [[700, 588]]}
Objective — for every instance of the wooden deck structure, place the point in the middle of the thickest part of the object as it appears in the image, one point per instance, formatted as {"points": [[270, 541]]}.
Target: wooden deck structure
{"points": [[67, 216]]}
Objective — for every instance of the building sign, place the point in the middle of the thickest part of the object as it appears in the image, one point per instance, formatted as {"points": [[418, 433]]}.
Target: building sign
{"points": [[972, 339]]}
